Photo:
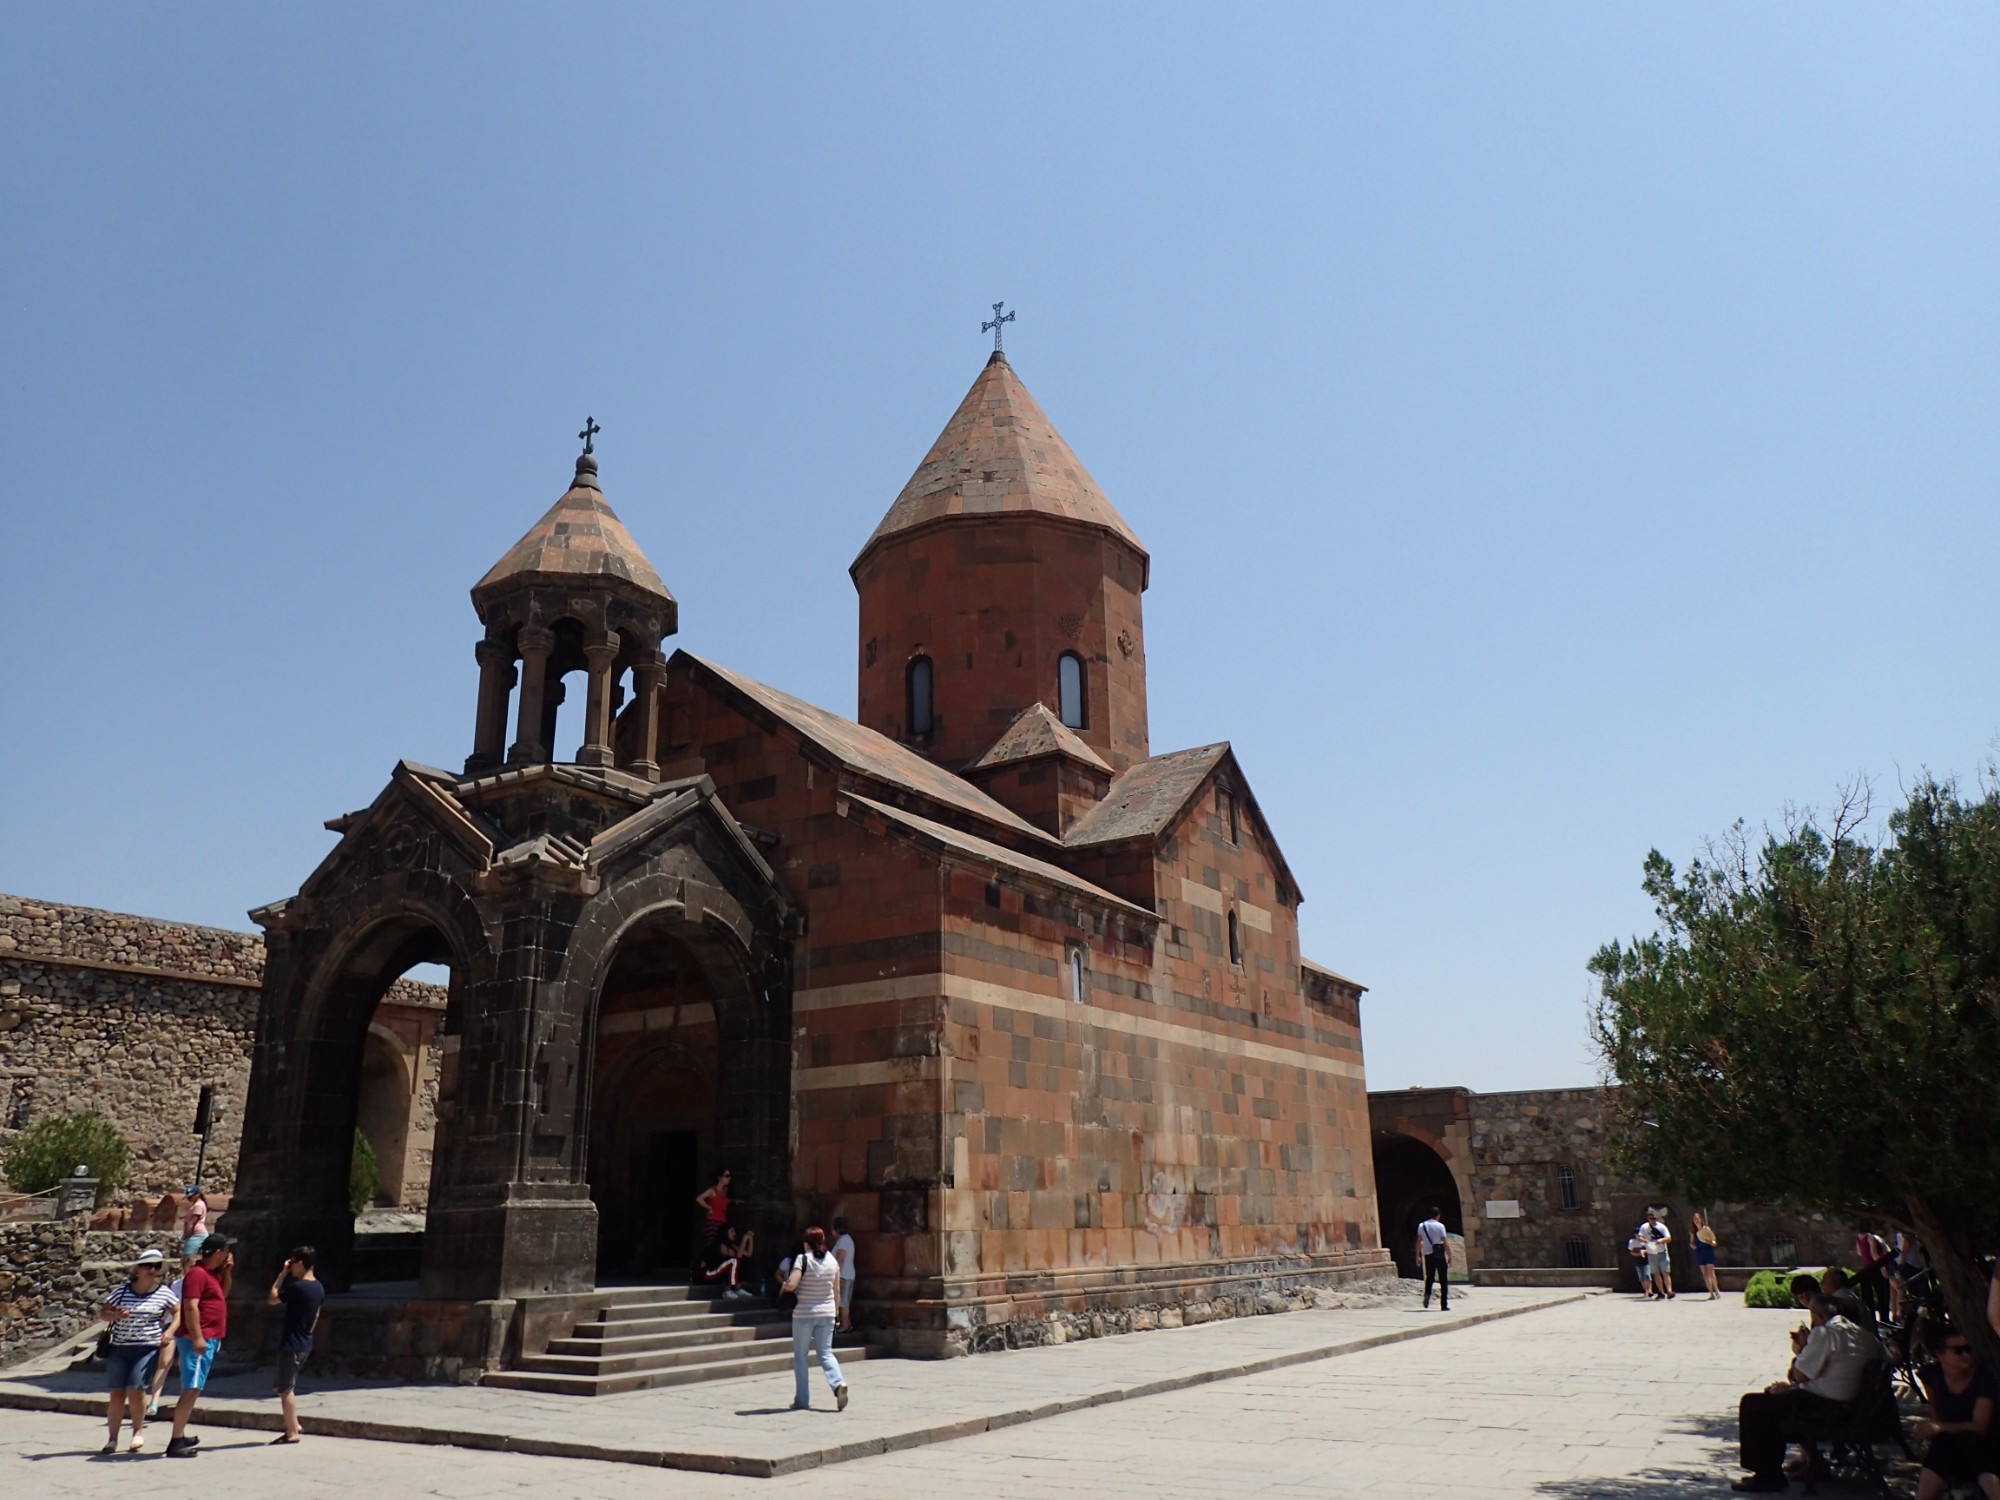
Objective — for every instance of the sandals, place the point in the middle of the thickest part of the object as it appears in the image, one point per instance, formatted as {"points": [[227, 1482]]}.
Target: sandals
{"points": [[282, 1440]]}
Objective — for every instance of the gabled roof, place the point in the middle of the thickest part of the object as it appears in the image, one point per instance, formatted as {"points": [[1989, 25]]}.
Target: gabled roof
{"points": [[993, 854], [1148, 796], [1152, 796], [1000, 454], [1036, 732], [580, 537], [868, 753]]}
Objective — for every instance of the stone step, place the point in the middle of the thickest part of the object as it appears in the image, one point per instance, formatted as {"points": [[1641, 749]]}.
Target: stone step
{"points": [[746, 1313], [599, 1338], [776, 1362]]}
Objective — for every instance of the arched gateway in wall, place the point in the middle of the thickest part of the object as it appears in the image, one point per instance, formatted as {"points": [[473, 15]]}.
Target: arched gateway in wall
{"points": [[591, 916]]}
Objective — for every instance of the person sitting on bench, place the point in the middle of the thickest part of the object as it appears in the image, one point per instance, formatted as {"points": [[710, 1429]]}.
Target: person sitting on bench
{"points": [[1827, 1369], [1960, 1423]]}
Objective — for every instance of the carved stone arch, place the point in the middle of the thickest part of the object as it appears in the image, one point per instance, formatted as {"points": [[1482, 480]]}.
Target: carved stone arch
{"points": [[695, 887], [330, 956]]}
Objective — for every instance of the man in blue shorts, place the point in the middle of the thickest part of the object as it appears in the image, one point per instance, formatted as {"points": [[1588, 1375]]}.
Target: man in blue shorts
{"points": [[204, 1322]]}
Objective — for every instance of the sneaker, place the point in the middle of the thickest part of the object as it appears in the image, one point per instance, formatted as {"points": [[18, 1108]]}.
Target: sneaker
{"points": [[840, 1398], [180, 1447], [1761, 1484]]}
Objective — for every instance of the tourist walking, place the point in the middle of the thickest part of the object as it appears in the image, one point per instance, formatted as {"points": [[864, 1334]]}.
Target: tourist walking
{"points": [[1705, 1242], [1434, 1249], [204, 1323], [843, 1251], [1659, 1266], [194, 1221], [299, 1292], [816, 1279], [189, 1255], [1959, 1427], [143, 1314]]}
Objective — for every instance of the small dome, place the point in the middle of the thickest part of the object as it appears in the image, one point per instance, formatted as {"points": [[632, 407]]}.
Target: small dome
{"points": [[579, 538]]}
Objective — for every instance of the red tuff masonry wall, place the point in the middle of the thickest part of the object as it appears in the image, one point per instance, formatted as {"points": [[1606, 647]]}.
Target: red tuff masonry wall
{"points": [[994, 602]]}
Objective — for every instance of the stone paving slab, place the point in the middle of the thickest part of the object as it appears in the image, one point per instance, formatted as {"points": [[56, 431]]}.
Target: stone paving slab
{"points": [[744, 1427]]}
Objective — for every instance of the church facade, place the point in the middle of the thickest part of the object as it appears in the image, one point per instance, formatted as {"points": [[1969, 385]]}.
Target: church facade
{"points": [[976, 969]]}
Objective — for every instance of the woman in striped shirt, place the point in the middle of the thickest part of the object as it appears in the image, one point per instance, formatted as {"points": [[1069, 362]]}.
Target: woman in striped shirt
{"points": [[143, 1314], [815, 1277]]}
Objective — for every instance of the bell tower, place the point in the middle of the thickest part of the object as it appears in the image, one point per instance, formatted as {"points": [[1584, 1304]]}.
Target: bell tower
{"points": [[1002, 577], [575, 593]]}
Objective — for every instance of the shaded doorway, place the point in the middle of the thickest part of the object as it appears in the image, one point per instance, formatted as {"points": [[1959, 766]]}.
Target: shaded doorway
{"points": [[1411, 1179], [653, 1136]]}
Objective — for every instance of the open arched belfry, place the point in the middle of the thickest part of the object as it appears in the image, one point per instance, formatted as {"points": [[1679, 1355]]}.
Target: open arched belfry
{"points": [[977, 969], [547, 888]]}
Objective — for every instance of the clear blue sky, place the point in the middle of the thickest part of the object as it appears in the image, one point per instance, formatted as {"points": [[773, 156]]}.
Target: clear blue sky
{"points": [[1558, 432]]}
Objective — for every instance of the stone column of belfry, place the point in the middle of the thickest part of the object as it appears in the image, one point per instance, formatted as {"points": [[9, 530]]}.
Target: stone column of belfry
{"points": [[496, 681], [602, 655], [534, 644], [647, 678]]}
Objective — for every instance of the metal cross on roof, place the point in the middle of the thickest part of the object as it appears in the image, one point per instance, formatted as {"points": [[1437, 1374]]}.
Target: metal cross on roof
{"points": [[993, 327], [590, 431]]}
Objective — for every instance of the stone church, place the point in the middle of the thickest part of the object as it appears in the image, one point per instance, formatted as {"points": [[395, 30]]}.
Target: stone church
{"points": [[976, 968]]}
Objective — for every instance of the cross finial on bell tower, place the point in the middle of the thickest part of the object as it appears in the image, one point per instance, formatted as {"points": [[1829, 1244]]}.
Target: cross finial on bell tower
{"points": [[590, 431], [992, 326]]}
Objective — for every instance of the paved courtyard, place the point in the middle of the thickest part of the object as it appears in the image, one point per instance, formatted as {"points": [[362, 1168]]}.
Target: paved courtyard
{"points": [[1600, 1397]]}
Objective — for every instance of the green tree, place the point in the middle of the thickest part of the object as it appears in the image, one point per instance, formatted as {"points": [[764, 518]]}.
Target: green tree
{"points": [[363, 1175], [50, 1150], [1817, 1021]]}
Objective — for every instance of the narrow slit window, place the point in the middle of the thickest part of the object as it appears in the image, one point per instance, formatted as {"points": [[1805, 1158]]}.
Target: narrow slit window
{"points": [[1235, 940], [921, 720], [1077, 975], [1069, 690], [1226, 801], [1566, 1194]]}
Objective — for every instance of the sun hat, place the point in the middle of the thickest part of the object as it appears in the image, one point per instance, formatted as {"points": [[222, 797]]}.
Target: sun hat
{"points": [[150, 1258]]}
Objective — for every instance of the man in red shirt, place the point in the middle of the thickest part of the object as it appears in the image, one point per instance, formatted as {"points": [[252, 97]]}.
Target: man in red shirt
{"points": [[204, 1321]]}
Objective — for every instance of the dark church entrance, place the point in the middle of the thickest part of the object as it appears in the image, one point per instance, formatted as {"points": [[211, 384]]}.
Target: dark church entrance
{"points": [[1411, 1179], [653, 1096]]}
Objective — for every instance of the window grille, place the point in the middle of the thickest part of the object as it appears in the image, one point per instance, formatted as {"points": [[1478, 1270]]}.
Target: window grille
{"points": [[1576, 1252], [1566, 1194]]}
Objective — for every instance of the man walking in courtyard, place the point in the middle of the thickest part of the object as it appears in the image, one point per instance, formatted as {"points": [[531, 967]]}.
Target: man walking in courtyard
{"points": [[204, 1322], [1434, 1248]]}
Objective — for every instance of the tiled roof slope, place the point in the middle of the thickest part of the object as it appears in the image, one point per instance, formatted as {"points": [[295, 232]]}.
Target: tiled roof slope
{"points": [[871, 754], [1036, 731], [1000, 454], [992, 853], [1149, 796], [579, 537]]}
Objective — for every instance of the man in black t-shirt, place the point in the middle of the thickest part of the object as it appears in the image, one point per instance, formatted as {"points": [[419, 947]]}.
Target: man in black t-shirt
{"points": [[300, 1294]]}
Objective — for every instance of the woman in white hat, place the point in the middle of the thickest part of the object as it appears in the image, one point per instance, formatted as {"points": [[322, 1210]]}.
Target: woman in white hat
{"points": [[144, 1314]]}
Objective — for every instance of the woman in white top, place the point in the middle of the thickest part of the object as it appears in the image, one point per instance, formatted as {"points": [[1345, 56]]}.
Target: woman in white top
{"points": [[815, 1277]]}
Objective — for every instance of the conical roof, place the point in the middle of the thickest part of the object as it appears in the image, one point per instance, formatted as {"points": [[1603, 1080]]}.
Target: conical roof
{"points": [[998, 455], [579, 538]]}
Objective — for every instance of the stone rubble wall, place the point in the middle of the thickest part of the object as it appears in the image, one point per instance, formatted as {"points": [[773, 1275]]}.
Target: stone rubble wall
{"points": [[45, 1294], [1520, 1141], [130, 1016]]}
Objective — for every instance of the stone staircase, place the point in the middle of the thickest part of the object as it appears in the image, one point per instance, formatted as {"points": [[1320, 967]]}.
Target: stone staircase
{"points": [[664, 1335]]}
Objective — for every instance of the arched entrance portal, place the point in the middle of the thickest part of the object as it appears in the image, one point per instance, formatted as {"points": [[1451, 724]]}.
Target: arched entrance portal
{"points": [[653, 1136], [1410, 1179]]}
